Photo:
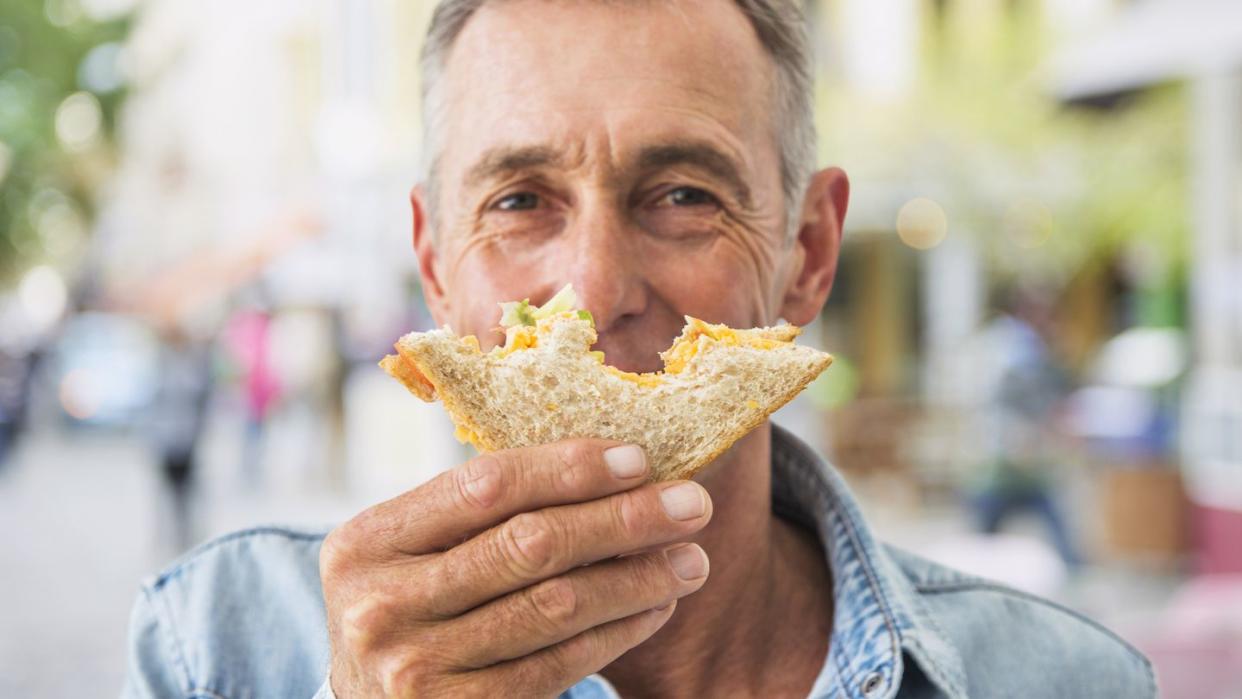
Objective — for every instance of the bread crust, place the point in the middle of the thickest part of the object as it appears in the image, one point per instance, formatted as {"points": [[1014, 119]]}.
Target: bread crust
{"points": [[726, 383], [701, 463]]}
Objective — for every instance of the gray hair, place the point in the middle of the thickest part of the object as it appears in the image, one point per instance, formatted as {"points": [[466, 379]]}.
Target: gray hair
{"points": [[782, 30]]}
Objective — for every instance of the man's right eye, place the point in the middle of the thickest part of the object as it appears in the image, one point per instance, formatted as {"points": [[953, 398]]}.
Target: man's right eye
{"points": [[521, 201]]}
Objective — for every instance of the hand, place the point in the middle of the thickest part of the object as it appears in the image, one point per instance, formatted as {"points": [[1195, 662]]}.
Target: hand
{"points": [[519, 572]]}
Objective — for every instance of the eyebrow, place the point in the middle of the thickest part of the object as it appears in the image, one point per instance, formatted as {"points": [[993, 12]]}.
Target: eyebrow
{"points": [[698, 154], [506, 160]]}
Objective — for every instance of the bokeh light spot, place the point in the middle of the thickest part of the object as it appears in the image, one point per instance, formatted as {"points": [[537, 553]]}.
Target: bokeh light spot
{"points": [[78, 121], [102, 70], [62, 13], [60, 228], [107, 10], [43, 296], [922, 224]]}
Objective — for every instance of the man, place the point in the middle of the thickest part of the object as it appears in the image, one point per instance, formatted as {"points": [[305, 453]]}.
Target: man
{"points": [[657, 154]]}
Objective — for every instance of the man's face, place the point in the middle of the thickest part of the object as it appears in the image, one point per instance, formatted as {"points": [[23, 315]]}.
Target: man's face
{"points": [[626, 148]]}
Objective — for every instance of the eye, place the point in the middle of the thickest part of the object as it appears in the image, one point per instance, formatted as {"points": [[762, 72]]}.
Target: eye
{"points": [[689, 196], [518, 201]]}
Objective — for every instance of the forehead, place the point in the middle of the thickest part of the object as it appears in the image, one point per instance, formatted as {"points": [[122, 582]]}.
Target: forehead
{"points": [[561, 70]]}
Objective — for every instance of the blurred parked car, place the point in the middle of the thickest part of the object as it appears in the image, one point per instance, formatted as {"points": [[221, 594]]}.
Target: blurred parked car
{"points": [[105, 370]]}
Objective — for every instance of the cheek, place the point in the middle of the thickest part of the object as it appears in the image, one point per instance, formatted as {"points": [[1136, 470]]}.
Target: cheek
{"points": [[728, 280], [488, 270], [479, 280]]}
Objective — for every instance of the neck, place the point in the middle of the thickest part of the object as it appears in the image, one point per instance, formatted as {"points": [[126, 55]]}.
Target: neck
{"points": [[760, 624]]}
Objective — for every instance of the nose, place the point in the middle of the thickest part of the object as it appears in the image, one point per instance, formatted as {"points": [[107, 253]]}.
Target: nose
{"points": [[603, 264]]}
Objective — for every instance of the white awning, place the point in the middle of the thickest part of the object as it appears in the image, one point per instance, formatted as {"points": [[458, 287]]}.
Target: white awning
{"points": [[1151, 42]]}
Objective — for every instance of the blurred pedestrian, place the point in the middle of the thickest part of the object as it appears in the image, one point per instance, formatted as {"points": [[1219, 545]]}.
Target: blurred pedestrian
{"points": [[177, 421], [248, 334], [15, 371], [1020, 474]]}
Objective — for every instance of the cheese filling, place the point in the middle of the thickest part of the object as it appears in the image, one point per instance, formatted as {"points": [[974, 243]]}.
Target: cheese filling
{"points": [[525, 335]]}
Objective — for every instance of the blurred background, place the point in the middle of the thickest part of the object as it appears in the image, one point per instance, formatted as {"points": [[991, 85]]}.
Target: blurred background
{"points": [[1038, 317]]}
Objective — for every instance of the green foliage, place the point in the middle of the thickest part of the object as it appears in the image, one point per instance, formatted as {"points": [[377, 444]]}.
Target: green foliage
{"points": [[42, 49], [1042, 187]]}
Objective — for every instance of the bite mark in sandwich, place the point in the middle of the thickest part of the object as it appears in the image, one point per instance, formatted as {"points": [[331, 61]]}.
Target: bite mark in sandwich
{"points": [[545, 384]]}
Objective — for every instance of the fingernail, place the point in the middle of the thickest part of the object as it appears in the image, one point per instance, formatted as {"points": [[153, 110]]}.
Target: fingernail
{"points": [[684, 501], [689, 562], [626, 461], [662, 608]]}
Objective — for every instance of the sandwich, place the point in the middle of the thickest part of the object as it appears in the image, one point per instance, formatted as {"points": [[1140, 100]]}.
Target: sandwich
{"points": [[546, 384]]}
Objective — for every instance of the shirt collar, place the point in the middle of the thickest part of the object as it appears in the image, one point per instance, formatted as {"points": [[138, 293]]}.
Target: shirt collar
{"points": [[878, 617]]}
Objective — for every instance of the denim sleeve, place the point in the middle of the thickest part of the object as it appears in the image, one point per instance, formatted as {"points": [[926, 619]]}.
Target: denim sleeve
{"points": [[155, 667]]}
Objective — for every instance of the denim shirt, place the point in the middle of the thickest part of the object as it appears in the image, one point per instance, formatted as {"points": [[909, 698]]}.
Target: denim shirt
{"points": [[243, 616]]}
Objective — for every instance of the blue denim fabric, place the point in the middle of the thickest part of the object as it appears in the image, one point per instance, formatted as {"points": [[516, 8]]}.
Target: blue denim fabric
{"points": [[242, 616]]}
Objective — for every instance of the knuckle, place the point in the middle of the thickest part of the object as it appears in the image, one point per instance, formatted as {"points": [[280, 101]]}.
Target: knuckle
{"points": [[405, 677], [555, 602], [528, 543], [549, 666], [362, 622], [628, 517], [576, 467], [576, 653], [478, 482], [536, 671], [336, 551], [571, 450], [653, 571]]}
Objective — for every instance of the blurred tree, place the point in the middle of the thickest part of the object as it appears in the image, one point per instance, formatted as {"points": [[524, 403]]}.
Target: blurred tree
{"points": [[1042, 188], [61, 83]]}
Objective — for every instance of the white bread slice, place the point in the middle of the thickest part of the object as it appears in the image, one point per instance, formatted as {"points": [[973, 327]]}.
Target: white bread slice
{"points": [[718, 384]]}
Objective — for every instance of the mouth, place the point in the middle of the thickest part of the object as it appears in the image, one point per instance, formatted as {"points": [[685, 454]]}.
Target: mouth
{"points": [[625, 357], [635, 367]]}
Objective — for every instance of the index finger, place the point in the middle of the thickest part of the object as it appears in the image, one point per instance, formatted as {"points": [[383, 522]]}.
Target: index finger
{"points": [[493, 487]]}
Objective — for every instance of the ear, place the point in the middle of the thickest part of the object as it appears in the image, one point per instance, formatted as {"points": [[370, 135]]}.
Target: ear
{"points": [[818, 246], [428, 261]]}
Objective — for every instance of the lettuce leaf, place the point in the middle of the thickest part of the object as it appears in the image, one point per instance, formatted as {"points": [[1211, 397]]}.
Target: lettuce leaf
{"points": [[522, 313]]}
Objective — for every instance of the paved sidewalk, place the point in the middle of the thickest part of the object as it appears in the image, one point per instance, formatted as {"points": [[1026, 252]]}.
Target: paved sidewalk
{"points": [[76, 516], [85, 520]]}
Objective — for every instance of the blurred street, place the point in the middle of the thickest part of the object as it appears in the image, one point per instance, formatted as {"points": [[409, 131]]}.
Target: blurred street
{"points": [[69, 563], [88, 516]]}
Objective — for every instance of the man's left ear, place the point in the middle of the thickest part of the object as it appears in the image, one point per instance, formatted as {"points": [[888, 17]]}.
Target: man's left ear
{"points": [[818, 246]]}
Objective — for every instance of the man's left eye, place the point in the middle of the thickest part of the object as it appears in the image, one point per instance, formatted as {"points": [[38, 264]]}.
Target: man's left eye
{"points": [[689, 196], [521, 201]]}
